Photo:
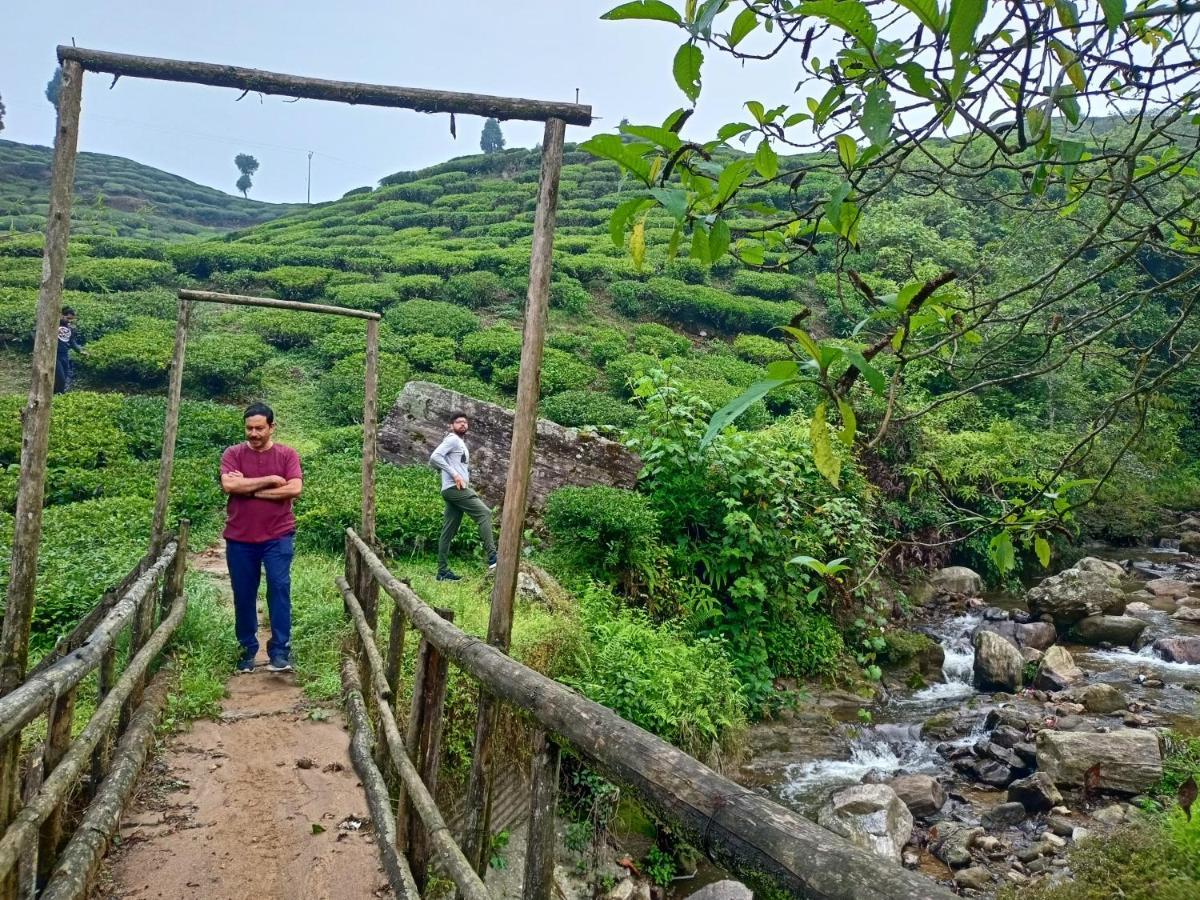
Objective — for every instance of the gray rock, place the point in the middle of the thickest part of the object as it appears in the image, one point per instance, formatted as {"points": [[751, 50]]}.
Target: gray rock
{"points": [[957, 580], [1179, 649], [723, 890], [951, 842], [998, 663], [1189, 542], [1168, 587], [416, 424], [870, 816], [1061, 825], [1032, 635], [1186, 614], [1138, 608], [1101, 698], [990, 771], [1099, 566], [1078, 592], [1003, 815], [975, 878], [1120, 631], [1057, 670], [1113, 814], [1007, 736], [924, 796], [1037, 793], [1129, 760]]}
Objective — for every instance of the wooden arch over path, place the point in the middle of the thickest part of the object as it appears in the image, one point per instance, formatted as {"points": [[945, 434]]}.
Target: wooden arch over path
{"points": [[764, 843]]}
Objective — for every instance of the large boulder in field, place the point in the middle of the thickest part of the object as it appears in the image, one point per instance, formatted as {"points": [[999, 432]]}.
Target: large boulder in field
{"points": [[562, 456], [999, 665], [870, 816], [1057, 670], [1121, 631], [1089, 588], [956, 580], [1179, 649], [922, 794], [1128, 761]]}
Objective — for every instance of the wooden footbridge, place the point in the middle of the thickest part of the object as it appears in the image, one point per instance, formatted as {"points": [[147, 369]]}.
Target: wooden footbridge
{"points": [[61, 795]]}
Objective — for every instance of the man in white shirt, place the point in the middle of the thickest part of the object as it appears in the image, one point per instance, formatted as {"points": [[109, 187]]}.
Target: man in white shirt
{"points": [[453, 460]]}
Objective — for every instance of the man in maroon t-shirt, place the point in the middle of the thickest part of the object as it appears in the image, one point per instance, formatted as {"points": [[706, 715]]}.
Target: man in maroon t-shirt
{"points": [[261, 478]]}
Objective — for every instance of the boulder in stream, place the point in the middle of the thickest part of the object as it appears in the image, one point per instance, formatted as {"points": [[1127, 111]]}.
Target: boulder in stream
{"points": [[1179, 649], [1189, 542], [1091, 587], [1171, 588], [1057, 670], [951, 842], [1037, 793], [870, 816], [956, 580], [1101, 699], [723, 890], [998, 663], [922, 794], [1186, 614], [1031, 635], [1120, 631], [1129, 761]]}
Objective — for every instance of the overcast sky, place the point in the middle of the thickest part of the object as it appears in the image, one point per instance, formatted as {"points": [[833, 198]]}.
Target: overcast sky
{"points": [[540, 49]]}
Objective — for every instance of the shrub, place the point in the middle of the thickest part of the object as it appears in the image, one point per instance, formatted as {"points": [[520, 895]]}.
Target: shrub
{"points": [[105, 275], [560, 372], [623, 371], [225, 364], [427, 351], [370, 295], [497, 347], [570, 296], [659, 340], [346, 336], [610, 531], [606, 344], [475, 289], [283, 329], [628, 297], [767, 285], [298, 282], [342, 387], [431, 317], [700, 305], [409, 287], [84, 430], [204, 426], [577, 408], [759, 350], [141, 353]]}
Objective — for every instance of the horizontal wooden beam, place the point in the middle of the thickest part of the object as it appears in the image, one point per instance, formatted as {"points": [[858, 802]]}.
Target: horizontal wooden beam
{"points": [[358, 93], [272, 303], [773, 849]]}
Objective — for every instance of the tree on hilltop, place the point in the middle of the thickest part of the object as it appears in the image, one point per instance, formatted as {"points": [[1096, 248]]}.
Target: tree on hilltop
{"points": [[247, 165], [54, 87], [1, 113], [492, 139]]}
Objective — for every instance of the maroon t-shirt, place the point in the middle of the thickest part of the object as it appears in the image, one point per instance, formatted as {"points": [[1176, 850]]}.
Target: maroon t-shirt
{"points": [[253, 519]]}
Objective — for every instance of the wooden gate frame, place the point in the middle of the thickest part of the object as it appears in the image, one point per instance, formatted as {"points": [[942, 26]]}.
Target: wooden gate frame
{"points": [[14, 638]]}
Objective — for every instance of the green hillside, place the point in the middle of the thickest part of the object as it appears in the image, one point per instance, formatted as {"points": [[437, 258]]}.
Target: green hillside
{"points": [[118, 197]]}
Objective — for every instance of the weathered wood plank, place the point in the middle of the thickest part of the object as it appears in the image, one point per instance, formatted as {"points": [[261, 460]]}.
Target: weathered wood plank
{"points": [[58, 740], [429, 750], [272, 303], [539, 857], [166, 465], [419, 99], [765, 845]]}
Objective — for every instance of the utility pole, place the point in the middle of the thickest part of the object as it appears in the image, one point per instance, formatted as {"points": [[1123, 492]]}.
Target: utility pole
{"points": [[309, 196]]}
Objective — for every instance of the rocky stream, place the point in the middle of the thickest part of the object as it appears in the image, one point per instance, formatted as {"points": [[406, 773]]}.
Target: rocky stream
{"points": [[1036, 721]]}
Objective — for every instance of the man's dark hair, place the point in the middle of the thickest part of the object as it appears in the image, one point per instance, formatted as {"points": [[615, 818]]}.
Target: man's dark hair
{"points": [[457, 415], [68, 311], [260, 409]]}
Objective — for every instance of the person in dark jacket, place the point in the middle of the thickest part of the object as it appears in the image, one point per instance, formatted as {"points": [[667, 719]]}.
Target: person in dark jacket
{"points": [[68, 340]]}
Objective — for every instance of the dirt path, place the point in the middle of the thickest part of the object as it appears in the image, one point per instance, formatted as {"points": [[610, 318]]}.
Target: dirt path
{"points": [[260, 804]]}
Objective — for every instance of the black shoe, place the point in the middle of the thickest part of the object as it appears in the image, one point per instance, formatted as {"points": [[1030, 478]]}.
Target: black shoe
{"points": [[279, 663], [447, 575], [491, 562], [245, 665]]}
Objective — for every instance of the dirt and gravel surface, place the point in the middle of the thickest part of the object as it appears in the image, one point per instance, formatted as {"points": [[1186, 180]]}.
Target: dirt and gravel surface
{"points": [[261, 804]]}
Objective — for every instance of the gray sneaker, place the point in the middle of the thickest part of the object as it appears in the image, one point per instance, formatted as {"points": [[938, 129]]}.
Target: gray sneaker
{"points": [[279, 663]]}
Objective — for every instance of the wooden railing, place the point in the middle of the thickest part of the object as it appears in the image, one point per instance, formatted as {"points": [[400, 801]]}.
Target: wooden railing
{"points": [[33, 860], [769, 847]]}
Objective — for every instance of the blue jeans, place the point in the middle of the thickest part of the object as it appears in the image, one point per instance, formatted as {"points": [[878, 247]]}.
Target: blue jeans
{"points": [[246, 562]]}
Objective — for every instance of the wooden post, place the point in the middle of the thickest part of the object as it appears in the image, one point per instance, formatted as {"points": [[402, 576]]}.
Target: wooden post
{"points": [[516, 491], [103, 752], [57, 741], [367, 589], [139, 632], [162, 494], [35, 430], [173, 583], [539, 856], [427, 748], [391, 674]]}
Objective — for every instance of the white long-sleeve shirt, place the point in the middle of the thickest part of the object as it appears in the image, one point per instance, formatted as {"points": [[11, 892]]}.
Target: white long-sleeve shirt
{"points": [[452, 458]]}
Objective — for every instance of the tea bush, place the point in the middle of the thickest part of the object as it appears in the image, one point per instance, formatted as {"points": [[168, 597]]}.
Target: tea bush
{"points": [[431, 317], [611, 532], [578, 408], [342, 387]]}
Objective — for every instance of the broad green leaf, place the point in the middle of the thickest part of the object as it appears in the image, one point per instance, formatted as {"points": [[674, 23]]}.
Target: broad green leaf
{"points": [[851, 16], [628, 156], [686, 68], [732, 129], [673, 244], [1070, 152], [873, 376], [738, 405], [1114, 12], [751, 253], [1068, 14], [746, 22], [1041, 547], [926, 11], [718, 240], [847, 150], [833, 209], [765, 160], [877, 116], [621, 216], [665, 138], [699, 248], [783, 369], [673, 200], [644, 9], [849, 422], [757, 110], [1000, 548], [637, 244], [965, 18], [731, 179], [802, 337], [826, 460], [918, 82], [705, 16]]}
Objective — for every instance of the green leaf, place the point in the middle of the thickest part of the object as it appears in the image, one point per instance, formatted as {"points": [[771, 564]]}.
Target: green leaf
{"points": [[1041, 547], [699, 249], [811, 347], [918, 82], [644, 9], [873, 376], [738, 405], [318, 829], [847, 150], [927, 11], [965, 18], [1000, 549], [851, 16], [1114, 12], [718, 240], [1070, 152], [765, 160], [731, 179], [783, 369], [849, 422], [637, 244], [686, 68], [826, 460], [746, 22], [656, 134], [751, 252], [621, 216], [732, 129], [673, 200], [833, 209], [877, 116]]}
